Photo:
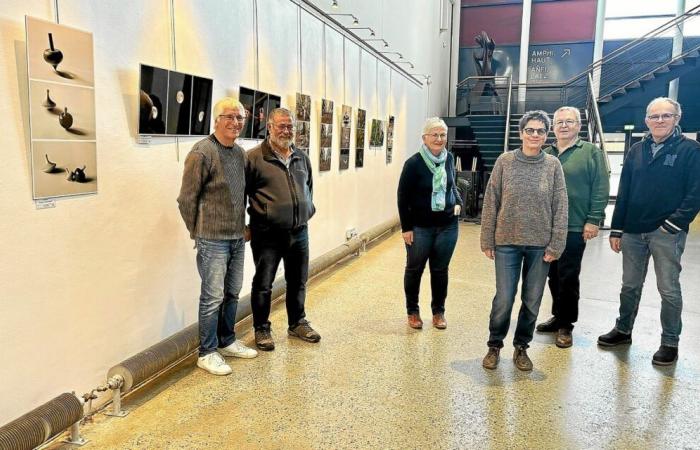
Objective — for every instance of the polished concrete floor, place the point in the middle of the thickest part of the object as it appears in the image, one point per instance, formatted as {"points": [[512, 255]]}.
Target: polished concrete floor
{"points": [[373, 383]]}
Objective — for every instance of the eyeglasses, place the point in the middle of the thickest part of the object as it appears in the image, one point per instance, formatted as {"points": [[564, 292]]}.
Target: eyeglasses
{"points": [[231, 118], [664, 117], [285, 127], [537, 131], [568, 122], [437, 136]]}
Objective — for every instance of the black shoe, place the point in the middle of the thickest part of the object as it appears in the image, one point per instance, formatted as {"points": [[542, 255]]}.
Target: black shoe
{"points": [[665, 356], [550, 326], [614, 338]]}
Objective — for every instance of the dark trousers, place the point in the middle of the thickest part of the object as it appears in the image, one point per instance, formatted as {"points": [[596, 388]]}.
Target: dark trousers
{"points": [[269, 248], [564, 281], [433, 245]]}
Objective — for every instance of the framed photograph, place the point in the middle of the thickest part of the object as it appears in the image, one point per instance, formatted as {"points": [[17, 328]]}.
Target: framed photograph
{"points": [[345, 138], [200, 124], [326, 135], [301, 138], [344, 158], [260, 115], [361, 118], [179, 103], [360, 138], [59, 53], [346, 117], [62, 123], [303, 108], [153, 94], [325, 160], [377, 134], [389, 139], [359, 157], [247, 97], [326, 111]]}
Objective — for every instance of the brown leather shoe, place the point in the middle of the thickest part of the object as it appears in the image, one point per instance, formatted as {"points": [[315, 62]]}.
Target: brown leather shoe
{"points": [[491, 359], [414, 321], [439, 321], [564, 338]]}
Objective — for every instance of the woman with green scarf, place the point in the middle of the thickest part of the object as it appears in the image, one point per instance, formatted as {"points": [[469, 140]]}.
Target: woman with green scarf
{"points": [[429, 205]]}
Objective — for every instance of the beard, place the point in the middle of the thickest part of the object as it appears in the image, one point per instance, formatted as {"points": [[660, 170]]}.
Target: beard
{"points": [[282, 141]]}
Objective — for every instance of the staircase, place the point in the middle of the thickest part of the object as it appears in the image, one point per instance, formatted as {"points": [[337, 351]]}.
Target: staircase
{"points": [[488, 130]]}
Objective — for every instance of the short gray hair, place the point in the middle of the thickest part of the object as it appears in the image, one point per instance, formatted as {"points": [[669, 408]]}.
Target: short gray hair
{"points": [[433, 122], [280, 112], [226, 103], [538, 115], [576, 112], [675, 104]]}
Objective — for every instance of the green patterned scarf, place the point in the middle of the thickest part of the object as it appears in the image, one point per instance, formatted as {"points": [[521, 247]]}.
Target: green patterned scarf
{"points": [[436, 165]]}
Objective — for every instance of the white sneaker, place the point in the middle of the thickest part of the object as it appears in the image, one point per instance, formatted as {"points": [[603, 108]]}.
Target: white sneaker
{"points": [[214, 364], [238, 350]]}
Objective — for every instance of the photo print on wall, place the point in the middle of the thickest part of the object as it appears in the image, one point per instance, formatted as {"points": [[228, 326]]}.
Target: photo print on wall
{"points": [[326, 135], [345, 127], [201, 106], [389, 139], [360, 138], [153, 94], [247, 98], [376, 138], [258, 105], [179, 103], [303, 122], [62, 109]]}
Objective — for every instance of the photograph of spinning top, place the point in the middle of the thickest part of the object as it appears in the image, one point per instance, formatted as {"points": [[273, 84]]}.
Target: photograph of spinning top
{"points": [[59, 53], [58, 111], [64, 168]]}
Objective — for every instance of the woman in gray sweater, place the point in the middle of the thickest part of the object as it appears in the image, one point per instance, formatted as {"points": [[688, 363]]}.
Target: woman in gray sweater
{"points": [[523, 224]]}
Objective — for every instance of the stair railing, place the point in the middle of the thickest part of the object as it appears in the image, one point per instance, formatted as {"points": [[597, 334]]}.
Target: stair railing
{"points": [[595, 125], [510, 92]]}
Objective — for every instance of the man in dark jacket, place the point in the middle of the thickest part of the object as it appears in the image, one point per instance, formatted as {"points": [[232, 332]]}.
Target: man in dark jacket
{"points": [[658, 197], [280, 193]]}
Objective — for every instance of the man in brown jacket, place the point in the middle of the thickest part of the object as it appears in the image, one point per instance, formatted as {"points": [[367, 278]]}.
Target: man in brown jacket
{"points": [[212, 204]]}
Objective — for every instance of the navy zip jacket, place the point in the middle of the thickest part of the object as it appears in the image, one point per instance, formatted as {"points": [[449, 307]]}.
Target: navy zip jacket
{"points": [[660, 191], [416, 191]]}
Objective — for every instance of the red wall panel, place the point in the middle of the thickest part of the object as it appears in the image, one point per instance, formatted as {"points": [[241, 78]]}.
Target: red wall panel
{"points": [[563, 21], [502, 23], [487, 2]]}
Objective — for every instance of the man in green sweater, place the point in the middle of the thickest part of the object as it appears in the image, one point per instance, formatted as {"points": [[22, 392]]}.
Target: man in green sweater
{"points": [[588, 188]]}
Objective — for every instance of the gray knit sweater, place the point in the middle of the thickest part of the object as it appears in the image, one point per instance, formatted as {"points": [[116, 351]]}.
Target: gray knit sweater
{"points": [[212, 196], [525, 203]]}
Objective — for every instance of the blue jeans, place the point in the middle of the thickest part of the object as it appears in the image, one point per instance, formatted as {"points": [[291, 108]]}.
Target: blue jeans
{"points": [[509, 260], [220, 265], [666, 249], [269, 248], [434, 245]]}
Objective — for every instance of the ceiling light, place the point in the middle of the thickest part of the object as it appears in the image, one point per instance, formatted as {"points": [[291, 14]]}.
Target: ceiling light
{"points": [[334, 4]]}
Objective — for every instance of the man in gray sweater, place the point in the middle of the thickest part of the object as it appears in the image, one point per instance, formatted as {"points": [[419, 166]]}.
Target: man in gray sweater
{"points": [[212, 204]]}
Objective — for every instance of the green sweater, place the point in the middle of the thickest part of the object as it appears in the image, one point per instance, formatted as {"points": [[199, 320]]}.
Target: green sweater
{"points": [[587, 183]]}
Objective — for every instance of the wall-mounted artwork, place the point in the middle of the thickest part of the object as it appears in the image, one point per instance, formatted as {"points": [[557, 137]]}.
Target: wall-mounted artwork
{"points": [[326, 135], [303, 122], [345, 127], [258, 105], [179, 103], [376, 138], [153, 95], [201, 106], [360, 138], [247, 98], [61, 109], [389, 139]]}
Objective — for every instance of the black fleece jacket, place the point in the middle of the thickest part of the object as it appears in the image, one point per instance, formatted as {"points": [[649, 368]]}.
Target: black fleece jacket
{"points": [[659, 191]]}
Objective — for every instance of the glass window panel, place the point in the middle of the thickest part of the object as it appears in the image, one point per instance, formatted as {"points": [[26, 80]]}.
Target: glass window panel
{"points": [[690, 4], [633, 28], [622, 8]]}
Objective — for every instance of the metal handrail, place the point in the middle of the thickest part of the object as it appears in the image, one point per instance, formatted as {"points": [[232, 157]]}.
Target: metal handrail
{"points": [[593, 107], [481, 77], [510, 90]]}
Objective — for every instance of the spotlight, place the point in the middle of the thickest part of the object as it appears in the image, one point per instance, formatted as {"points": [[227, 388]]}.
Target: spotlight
{"points": [[334, 4]]}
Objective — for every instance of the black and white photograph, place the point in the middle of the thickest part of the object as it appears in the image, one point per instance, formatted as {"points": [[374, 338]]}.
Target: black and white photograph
{"points": [[247, 98], [325, 160], [64, 168], [346, 116], [345, 138], [61, 109], [303, 108], [377, 134], [326, 135], [200, 122], [359, 156], [360, 138], [301, 139], [59, 53], [344, 158], [260, 115], [179, 103], [153, 94], [389, 139], [327, 111]]}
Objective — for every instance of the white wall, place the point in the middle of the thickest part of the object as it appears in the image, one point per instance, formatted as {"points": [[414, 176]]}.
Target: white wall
{"points": [[99, 278]]}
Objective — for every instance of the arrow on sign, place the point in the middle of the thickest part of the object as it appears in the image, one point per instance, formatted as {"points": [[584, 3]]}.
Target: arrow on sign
{"points": [[567, 52]]}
